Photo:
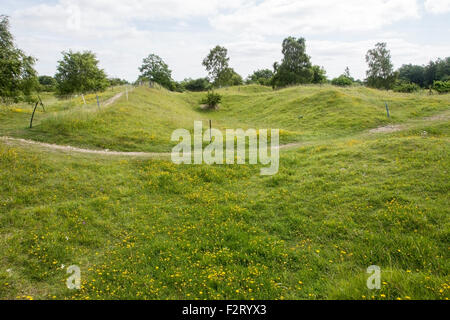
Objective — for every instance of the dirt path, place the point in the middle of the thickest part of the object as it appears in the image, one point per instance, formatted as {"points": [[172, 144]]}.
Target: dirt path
{"points": [[387, 129], [70, 149], [113, 99], [397, 127]]}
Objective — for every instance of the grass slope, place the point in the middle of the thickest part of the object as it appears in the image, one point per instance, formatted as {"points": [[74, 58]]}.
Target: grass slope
{"points": [[146, 121], [148, 229]]}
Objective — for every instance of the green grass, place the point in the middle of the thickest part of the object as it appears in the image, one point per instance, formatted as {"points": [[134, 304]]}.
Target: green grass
{"points": [[146, 121], [148, 229]]}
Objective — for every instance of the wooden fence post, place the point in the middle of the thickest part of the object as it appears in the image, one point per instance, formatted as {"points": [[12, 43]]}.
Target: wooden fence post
{"points": [[42, 104], [210, 131], [32, 115]]}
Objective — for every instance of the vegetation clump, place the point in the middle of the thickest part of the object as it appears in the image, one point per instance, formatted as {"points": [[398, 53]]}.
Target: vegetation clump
{"points": [[18, 78], [406, 87], [381, 74], [212, 100], [196, 85], [342, 81], [79, 73], [442, 86]]}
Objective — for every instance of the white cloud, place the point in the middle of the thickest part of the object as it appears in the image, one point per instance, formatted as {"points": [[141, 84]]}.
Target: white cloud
{"points": [[282, 17], [121, 32], [437, 6]]}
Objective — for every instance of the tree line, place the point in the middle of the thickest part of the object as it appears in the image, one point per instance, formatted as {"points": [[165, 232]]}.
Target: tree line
{"points": [[79, 72], [296, 68]]}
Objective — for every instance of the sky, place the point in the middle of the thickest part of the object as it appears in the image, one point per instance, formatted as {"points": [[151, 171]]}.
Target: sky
{"points": [[338, 33]]}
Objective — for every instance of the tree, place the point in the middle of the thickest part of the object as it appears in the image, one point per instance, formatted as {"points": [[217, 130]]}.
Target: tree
{"points": [[78, 72], [47, 83], [18, 79], [117, 82], [443, 69], [412, 73], [342, 81], [405, 86], [381, 73], [201, 84], [216, 64], [156, 70], [295, 68], [319, 75], [442, 86], [438, 70], [347, 73], [229, 77]]}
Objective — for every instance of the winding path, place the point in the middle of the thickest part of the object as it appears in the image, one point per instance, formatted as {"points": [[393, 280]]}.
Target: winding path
{"points": [[70, 149], [17, 141]]}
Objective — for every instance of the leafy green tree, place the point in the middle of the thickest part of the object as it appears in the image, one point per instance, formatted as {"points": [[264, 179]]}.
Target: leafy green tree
{"points": [[18, 79], [405, 86], [117, 82], [47, 83], [442, 86], [342, 81], [78, 72], [347, 73], [443, 69], [201, 84], [216, 64], [177, 86], [381, 73], [438, 70], [262, 77], [429, 73], [412, 73], [229, 77], [319, 74], [295, 68], [156, 70]]}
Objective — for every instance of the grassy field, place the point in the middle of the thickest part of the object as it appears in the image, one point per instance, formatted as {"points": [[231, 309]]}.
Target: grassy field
{"points": [[148, 229]]}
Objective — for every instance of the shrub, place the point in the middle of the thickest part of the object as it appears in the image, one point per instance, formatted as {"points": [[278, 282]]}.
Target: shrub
{"points": [[342, 81], [261, 77], [406, 87], [176, 86], [212, 99], [201, 84], [442, 86]]}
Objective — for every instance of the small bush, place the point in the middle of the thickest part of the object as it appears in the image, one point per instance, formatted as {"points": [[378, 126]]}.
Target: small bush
{"points": [[342, 81], [442, 86], [212, 99], [406, 87]]}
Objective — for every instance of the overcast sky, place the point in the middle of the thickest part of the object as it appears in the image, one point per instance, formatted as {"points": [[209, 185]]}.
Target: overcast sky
{"points": [[122, 32]]}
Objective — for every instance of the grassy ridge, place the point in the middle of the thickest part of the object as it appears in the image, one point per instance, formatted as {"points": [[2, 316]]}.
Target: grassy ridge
{"points": [[146, 121], [148, 229]]}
